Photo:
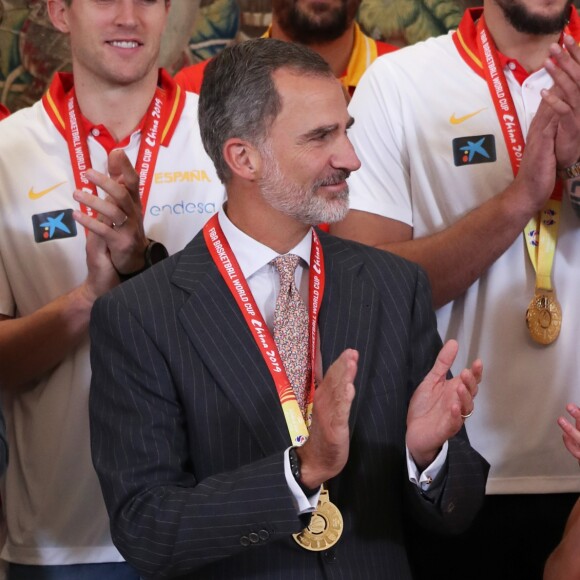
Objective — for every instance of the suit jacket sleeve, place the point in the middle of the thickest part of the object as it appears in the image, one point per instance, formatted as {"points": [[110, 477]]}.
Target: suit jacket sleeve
{"points": [[457, 494], [164, 520]]}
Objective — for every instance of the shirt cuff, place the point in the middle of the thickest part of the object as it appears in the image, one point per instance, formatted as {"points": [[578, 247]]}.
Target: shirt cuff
{"points": [[303, 504], [425, 479]]}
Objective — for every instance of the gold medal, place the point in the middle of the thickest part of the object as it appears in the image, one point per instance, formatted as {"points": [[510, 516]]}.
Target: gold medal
{"points": [[544, 317], [325, 526]]}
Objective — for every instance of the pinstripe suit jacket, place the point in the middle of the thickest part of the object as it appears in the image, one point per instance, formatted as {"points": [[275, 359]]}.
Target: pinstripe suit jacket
{"points": [[188, 435]]}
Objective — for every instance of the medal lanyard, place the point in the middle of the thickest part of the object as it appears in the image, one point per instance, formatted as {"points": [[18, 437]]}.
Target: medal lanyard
{"points": [[231, 272], [541, 232], [77, 141]]}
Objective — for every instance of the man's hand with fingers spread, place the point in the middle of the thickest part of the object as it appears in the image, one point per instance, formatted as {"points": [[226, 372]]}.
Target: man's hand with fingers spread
{"points": [[440, 405]]}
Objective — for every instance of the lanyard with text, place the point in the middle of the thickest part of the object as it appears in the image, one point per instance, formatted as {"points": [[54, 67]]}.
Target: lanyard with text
{"points": [[229, 268], [541, 232], [77, 141]]}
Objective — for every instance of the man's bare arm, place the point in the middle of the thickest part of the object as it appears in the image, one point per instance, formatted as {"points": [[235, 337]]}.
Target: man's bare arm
{"points": [[457, 256], [34, 344], [564, 562]]}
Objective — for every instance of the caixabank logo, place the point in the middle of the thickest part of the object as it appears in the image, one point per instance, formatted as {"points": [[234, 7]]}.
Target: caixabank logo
{"points": [[54, 225], [473, 150]]}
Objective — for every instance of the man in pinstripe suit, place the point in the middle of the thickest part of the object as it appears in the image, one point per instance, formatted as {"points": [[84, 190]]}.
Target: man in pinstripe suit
{"points": [[189, 437]]}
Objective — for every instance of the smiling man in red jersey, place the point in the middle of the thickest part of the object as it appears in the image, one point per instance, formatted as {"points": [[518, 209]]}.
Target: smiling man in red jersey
{"points": [[326, 26], [71, 230]]}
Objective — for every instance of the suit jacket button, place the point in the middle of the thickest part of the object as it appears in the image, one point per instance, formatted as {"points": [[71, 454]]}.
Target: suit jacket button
{"points": [[245, 541], [264, 535], [253, 538]]}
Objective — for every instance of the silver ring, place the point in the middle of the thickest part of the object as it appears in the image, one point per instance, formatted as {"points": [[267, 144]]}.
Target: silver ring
{"points": [[468, 414], [120, 225]]}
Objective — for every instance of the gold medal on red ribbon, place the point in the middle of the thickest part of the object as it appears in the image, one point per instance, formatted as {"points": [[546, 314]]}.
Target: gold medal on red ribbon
{"points": [[326, 523], [544, 317], [325, 526]]}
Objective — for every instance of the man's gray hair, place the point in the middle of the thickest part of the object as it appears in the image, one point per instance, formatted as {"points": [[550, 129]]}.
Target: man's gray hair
{"points": [[238, 97]]}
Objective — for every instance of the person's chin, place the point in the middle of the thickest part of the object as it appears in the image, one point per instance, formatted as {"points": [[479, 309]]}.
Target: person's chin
{"points": [[333, 212]]}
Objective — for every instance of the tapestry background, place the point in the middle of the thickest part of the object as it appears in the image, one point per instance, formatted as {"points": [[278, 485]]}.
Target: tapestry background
{"points": [[31, 50]]}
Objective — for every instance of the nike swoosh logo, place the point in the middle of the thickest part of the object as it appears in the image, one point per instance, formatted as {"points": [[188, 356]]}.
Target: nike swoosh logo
{"points": [[458, 120], [38, 194]]}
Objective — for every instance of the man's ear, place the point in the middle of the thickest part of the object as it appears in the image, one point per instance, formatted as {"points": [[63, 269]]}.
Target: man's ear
{"points": [[58, 14], [242, 158]]}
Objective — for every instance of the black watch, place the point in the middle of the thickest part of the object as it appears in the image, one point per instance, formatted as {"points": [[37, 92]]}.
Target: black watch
{"points": [[295, 469], [154, 252]]}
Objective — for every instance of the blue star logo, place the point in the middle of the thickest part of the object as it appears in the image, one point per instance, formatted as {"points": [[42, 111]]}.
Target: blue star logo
{"points": [[477, 147], [474, 149], [55, 224]]}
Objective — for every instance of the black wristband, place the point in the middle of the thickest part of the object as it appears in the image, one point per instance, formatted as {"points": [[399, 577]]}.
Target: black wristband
{"points": [[295, 469], [154, 253]]}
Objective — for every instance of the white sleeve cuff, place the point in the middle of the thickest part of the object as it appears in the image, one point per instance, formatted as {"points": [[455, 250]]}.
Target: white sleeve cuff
{"points": [[425, 479], [303, 504]]}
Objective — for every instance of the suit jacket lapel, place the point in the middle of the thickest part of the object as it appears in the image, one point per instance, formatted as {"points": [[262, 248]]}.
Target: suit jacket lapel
{"points": [[219, 333], [348, 315]]}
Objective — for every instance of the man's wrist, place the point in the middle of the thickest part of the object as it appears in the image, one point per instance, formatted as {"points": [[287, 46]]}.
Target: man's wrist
{"points": [[154, 253], [81, 300], [296, 469], [423, 460]]}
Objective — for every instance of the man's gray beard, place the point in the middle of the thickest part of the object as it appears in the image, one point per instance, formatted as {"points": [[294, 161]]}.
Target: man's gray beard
{"points": [[289, 200]]}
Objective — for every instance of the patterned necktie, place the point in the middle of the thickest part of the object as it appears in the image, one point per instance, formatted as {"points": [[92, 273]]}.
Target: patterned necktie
{"points": [[291, 328]]}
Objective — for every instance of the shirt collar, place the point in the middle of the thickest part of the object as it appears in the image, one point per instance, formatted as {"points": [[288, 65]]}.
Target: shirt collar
{"points": [[519, 72], [104, 137], [55, 101], [465, 40], [364, 52], [253, 255]]}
